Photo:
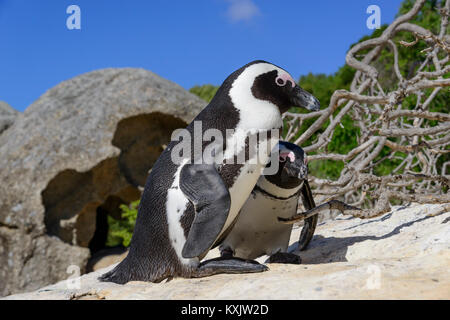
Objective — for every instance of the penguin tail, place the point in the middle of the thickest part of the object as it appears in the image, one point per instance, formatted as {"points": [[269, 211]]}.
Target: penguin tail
{"points": [[136, 270], [120, 274], [112, 276]]}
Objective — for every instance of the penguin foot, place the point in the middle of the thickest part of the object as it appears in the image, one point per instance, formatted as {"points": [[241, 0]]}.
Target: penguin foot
{"points": [[284, 257], [228, 265], [226, 253]]}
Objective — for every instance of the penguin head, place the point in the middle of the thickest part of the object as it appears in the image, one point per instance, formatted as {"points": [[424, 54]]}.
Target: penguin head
{"points": [[293, 161], [270, 83], [293, 166], [277, 86]]}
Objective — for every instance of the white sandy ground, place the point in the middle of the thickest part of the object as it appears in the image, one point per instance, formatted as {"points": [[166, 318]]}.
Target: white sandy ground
{"points": [[404, 254]]}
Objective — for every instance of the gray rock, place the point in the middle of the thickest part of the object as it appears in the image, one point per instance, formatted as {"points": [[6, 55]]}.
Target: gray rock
{"points": [[7, 116], [71, 158], [403, 254]]}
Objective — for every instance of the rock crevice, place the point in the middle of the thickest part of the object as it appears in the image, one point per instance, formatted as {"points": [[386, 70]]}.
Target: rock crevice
{"points": [[74, 155]]}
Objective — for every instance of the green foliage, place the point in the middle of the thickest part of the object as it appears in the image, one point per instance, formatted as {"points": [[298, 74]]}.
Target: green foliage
{"points": [[326, 169], [121, 231], [428, 17], [206, 92], [322, 86]]}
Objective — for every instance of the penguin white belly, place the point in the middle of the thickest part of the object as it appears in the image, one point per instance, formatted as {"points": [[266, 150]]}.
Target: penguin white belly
{"points": [[241, 189], [257, 230], [175, 206], [246, 180]]}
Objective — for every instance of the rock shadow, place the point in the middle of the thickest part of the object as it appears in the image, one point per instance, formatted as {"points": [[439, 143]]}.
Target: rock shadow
{"points": [[77, 204], [333, 249]]}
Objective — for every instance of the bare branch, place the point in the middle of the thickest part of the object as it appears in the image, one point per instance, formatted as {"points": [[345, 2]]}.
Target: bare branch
{"points": [[396, 132], [383, 117]]}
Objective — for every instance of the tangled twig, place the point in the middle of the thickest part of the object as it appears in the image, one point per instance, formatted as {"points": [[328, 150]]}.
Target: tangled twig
{"points": [[416, 138]]}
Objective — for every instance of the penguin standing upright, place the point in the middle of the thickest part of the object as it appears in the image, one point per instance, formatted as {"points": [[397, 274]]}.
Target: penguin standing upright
{"points": [[188, 207], [257, 230]]}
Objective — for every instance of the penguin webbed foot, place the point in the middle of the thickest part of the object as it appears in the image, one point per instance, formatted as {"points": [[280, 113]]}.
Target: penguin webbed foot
{"points": [[226, 253], [284, 257], [229, 266]]}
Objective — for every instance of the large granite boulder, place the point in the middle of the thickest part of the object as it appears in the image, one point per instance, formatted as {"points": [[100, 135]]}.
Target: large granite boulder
{"points": [[71, 159], [404, 254], [7, 116]]}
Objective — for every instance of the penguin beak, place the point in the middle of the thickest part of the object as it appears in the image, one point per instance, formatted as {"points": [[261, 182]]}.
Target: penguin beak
{"points": [[304, 99], [296, 169]]}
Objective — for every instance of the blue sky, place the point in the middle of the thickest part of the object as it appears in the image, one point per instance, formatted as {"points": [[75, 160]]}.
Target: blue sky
{"points": [[188, 42]]}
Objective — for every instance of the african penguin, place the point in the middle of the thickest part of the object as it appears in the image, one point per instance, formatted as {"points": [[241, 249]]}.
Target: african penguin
{"points": [[257, 230], [189, 206]]}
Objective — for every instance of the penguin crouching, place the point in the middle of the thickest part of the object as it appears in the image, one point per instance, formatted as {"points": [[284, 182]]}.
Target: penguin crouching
{"points": [[189, 206], [257, 231]]}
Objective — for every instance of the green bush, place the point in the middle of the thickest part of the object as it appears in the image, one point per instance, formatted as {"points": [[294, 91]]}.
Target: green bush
{"points": [[206, 92], [120, 231]]}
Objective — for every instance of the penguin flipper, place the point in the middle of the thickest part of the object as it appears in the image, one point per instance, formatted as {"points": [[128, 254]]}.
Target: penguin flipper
{"points": [[310, 223], [204, 187], [232, 265]]}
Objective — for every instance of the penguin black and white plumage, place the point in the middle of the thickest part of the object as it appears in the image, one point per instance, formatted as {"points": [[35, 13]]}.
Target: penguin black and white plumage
{"points": [[187, 208], [257, 230]]}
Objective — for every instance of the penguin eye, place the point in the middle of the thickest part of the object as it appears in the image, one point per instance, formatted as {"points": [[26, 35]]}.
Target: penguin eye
{"points": [[279, 81]]}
